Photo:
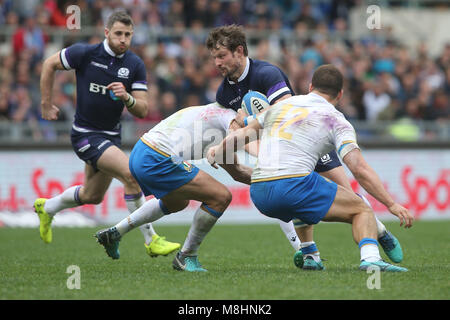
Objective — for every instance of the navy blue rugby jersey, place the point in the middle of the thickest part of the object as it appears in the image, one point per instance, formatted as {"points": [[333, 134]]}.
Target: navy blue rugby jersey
{"points": [[258, 76], [96, 66]]}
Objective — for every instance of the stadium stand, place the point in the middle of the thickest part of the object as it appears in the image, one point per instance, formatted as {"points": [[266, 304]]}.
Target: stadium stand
{"points": [[393, 90]]}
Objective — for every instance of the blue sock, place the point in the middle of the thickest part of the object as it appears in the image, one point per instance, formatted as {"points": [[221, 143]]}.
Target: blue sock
{"points": [[309, 249]]}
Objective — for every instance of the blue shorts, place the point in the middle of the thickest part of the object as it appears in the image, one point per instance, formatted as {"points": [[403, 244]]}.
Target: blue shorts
{"points": [[89, 146], [306, 198], [157, 172], [328, 162]]}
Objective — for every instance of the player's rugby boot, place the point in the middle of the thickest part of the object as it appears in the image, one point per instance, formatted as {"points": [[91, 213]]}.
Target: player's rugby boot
{"points": [[391, 247], [310, 264], [307, 263], [187, 263], [382, 265], [160, 246], [45, 221], [109, 239]]}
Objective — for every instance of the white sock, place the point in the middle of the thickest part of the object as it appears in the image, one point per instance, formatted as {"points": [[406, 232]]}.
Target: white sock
{"points": [[369, 250], [289, 230], [133, 203], [68, 199], [381, 228], [148, 212], [370, 253], [201, 224]]}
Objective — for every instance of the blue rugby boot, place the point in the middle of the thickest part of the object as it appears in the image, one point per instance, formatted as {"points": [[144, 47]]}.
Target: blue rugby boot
{"points": [[187, 263], [391, 247], [310, 264], [382, 265]]}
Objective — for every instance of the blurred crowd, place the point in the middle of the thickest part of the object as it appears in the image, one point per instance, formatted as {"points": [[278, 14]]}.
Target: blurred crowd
{"points": [[384, 79]]}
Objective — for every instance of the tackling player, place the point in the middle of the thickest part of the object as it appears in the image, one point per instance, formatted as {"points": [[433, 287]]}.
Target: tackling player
{"points": [[159, 164], [302, 129], [228, 48], [108, 77]]}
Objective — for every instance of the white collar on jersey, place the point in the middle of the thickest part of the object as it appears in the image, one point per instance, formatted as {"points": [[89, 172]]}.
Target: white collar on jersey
{"points": [[318, 96], [245, 73], [109, 50]]}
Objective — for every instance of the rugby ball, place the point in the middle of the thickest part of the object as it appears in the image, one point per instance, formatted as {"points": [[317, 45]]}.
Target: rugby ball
{"points": [[254, 102]]}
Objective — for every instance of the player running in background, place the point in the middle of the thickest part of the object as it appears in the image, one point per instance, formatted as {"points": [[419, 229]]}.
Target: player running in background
{"points": [[105, 74], [228, 48], [159, 164], [293, 135]]}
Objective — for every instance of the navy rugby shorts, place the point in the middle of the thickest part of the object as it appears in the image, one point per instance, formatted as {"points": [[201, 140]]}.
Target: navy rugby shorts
{"points": [[89, 146], [328, 162]]}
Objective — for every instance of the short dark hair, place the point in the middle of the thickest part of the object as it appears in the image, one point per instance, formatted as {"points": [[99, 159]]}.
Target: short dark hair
{"points": [[119, 16], [328, 79], [231, 37]]}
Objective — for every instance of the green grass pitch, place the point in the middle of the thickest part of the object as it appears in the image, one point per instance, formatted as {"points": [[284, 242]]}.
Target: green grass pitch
{"points": [[245, 262]]}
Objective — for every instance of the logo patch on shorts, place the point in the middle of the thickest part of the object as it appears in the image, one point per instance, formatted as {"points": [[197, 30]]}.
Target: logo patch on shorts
{"points": [[84, 148], [187, 166], [325, 159], [102, 144]]}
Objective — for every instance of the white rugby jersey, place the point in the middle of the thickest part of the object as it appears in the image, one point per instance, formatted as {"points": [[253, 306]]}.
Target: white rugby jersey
{"points": [[190, 132], [296, 132]]}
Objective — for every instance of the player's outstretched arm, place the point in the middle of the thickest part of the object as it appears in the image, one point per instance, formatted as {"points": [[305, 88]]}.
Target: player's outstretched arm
{"points": [[49, 67], [370, 181]]}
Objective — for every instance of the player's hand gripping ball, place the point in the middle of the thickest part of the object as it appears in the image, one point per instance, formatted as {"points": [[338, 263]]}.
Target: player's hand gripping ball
{"points": [[113, 96], [254, 102]]}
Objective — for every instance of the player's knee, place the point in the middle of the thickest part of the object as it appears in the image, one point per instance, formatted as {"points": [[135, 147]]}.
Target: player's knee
{"points": [[129, 181], [92, 199], [365, 213], [223, 199], [227, 197], [175, 206]]}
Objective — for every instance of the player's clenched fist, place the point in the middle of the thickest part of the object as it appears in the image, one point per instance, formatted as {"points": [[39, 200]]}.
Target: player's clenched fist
{"points": [[119, 90], [49, 112]]}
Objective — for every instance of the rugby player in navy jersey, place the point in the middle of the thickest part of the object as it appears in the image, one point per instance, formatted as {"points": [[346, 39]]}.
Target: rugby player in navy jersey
{"points": [[109, 77], [228, 48]]}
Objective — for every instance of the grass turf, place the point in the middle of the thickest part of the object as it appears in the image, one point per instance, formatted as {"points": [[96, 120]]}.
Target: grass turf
{"points": [[245, 262]]}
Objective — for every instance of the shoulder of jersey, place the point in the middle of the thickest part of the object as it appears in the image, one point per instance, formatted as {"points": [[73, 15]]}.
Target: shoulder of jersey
{"points": [[261, 63], [89, 49], [133, 56]]}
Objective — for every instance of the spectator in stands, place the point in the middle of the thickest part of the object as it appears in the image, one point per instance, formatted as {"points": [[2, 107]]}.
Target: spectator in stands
{"points": [[375, 100], [403, 83], [56, 17], [232, 13], [5, 104], [30, 38], [21, 106], [201, 14], [168, 104], [440, 107], [306, 16]]}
